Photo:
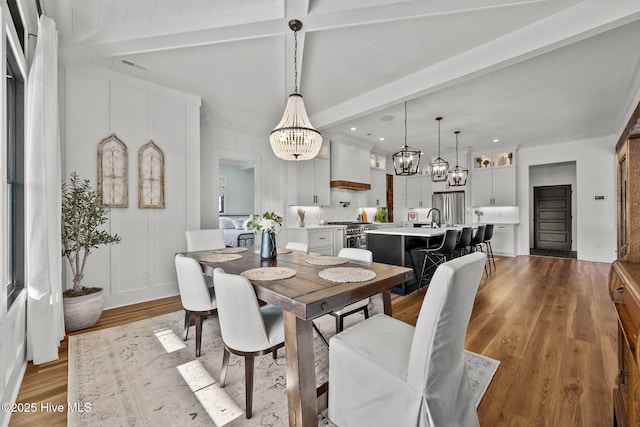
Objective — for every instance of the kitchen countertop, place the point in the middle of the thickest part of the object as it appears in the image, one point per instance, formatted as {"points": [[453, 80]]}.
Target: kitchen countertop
{"points": [[315, 227], [497, 223], [416, 231]]}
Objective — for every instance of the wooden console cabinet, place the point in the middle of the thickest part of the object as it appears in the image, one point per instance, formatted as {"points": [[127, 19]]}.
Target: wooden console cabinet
{"points": [[624, 288], [628, 171], [624, 277]]}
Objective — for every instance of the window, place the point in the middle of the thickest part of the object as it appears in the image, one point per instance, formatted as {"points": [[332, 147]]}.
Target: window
{"points": [[15, 176], [16, 17]]}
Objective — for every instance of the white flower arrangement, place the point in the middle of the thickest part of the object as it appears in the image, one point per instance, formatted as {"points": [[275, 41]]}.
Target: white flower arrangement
{"points": [[269, 222]]}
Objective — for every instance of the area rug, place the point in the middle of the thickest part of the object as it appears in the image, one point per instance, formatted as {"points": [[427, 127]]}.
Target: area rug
{"points": [[143, 374]]}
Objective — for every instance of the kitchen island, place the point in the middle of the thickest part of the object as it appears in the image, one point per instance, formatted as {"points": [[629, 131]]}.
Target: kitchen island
{"points": [[400, 246]]}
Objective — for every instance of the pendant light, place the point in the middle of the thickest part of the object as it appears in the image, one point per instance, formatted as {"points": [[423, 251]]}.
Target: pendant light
{"points": [[457, 176], [439, 166], [407, 160], [295, 138]]}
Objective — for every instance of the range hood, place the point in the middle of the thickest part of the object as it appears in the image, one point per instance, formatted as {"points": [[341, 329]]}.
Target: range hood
{"points": [[350, 166]]}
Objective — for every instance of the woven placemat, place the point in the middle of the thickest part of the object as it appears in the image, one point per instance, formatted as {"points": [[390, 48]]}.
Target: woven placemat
{"points": [[347, 274], [220, 257], [268, 273], [279, 250], [326, 260], [231, 250]]}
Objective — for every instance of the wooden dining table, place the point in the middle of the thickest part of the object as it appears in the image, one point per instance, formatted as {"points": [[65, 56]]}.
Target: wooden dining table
{"points": [[302, 298]]}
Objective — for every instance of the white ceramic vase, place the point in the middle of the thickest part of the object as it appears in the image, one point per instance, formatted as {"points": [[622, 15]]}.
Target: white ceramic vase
{"points": [[82, 312]]}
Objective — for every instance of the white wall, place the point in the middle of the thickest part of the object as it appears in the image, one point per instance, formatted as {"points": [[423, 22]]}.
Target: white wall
{"points": [[99, 102], [554, 174], [595, 234]]}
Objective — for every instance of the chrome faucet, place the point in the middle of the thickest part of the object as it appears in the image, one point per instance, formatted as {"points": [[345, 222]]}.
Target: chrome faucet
{"points": [[434, 224]]}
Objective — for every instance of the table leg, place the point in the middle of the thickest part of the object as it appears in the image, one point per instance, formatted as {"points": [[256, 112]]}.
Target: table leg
{"points": [[301, 375], [381, 303], [386, 301]]}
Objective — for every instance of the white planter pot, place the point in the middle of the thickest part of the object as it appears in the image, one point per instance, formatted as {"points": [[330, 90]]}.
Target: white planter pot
{"points": [[82, 312]]}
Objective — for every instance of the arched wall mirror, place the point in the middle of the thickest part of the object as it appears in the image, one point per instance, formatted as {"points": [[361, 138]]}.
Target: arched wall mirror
{"points": [[113, 164], [150, 176]]}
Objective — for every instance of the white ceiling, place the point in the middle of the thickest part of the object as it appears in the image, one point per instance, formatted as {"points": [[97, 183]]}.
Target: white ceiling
{"points": [[521, 71]]}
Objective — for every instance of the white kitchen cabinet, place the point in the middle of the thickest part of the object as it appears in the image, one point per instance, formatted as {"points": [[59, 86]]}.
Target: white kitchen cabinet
{"points": [[338, 239], [504, 187], [378, 161], [499, 159], [377, 196], [493, 182], [312, 181], [482, 187], [419, 192], [503, 241], [321, 240]]}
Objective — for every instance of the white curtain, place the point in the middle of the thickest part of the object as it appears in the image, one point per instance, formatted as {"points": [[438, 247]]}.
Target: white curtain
{"points": [[45, 319]]}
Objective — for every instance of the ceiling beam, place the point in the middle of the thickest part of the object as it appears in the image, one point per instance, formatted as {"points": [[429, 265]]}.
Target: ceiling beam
{"points": [[403, 11], [253, 23], [564, 28]]}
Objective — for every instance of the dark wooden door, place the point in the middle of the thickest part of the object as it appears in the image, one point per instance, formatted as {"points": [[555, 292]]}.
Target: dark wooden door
{"points": [[552, 217]]}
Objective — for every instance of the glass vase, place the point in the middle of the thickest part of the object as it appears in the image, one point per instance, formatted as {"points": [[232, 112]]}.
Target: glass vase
{"points": [[268, 249]]}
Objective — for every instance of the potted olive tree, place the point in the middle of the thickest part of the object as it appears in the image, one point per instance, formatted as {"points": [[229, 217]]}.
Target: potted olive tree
{"points": [[82, 219]]}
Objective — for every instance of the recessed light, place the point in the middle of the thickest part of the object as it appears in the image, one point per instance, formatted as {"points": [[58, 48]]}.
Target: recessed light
{"points": [[386, 118], [496, 140], [381, 139], [352, 129]]}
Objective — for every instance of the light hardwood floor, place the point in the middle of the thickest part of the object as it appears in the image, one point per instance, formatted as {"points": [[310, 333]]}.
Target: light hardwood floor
{"points": [[548, 320]]}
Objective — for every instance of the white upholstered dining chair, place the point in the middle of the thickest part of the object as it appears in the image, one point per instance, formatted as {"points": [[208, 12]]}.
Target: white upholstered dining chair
{"points": [[196, 299], [298, 246], [356, 254], [386, 372], [247, 329], [205, 240]]}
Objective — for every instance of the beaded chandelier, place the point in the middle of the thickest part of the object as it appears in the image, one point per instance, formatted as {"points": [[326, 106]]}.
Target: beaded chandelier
{"points": [[295, 138]]}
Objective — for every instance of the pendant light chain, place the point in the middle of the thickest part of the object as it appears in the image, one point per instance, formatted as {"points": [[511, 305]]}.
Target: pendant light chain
{"points": [[439, 136], [405, 123], [295, 61], [457, 163]]}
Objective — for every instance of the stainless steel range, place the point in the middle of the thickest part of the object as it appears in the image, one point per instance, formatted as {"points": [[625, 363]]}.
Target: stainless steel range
{"points": [[354, 235]]}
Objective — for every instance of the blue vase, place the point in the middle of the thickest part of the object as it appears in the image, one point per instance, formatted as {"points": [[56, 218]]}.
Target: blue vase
{"points": [[268, 249]]}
